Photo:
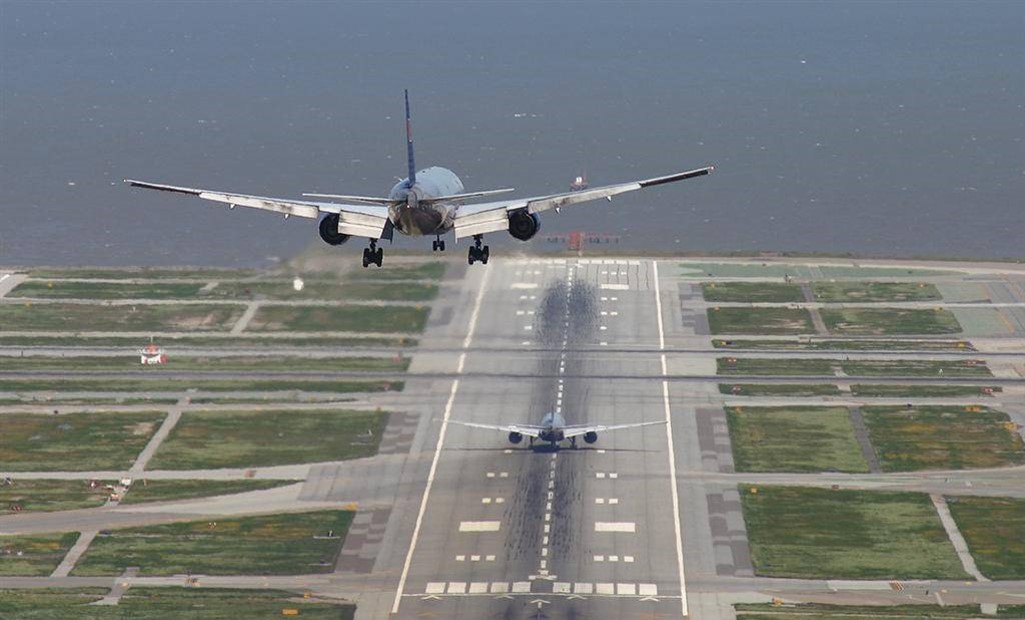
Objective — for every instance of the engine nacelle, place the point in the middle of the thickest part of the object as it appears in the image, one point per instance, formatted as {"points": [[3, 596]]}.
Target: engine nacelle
{"points": [[515, 437], [523, 225], [590, 437], [329, 230]]}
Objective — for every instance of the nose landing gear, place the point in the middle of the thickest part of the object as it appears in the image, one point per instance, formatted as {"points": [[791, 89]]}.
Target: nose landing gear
{"points": [[438, 245], [373, 255], [478, 252]]}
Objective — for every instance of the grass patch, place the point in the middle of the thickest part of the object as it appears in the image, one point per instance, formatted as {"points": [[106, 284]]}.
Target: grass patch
{"points": [[76, 441], [916, 368], [794, 439], [263, 362], [171, 603], [846, 345], [349, 318], [821, 533], [30, 556], [773, 366], [732, 320], [203, 385], [163, 490], [199, 340], [779, 389], [317, 289], [73, 289], [942, 437], [124, 273], [896, 321], [819, 611], [97, 317], [920, 391], [285, 544], [994, 528], [425, 271], [751, 292], [50, 495], [88, 400], [212, 439], [839, 292]]}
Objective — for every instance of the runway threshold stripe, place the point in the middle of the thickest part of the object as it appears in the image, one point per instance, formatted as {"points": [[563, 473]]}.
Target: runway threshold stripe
{"points": [[441, 441], [674, 492]]}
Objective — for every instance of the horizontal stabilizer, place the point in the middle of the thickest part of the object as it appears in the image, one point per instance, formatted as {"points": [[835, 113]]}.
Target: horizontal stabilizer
{"points": [[366, 200], [467, 196]]}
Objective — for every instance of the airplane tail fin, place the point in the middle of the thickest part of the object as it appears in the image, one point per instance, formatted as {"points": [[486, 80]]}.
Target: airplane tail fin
{"points": [[409, 144]]}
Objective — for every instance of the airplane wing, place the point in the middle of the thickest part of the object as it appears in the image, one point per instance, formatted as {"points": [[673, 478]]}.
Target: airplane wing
{"points": [[528, 430], [494, 216], [353, 219], [583, 429]]}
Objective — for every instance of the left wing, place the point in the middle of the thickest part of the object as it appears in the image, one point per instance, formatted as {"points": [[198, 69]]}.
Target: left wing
{"points": [[494, 216], [583, 429], [528, 430], [359, 220]]}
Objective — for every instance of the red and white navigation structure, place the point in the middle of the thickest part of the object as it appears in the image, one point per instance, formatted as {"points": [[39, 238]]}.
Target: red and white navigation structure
{"points": [[152, 354]]}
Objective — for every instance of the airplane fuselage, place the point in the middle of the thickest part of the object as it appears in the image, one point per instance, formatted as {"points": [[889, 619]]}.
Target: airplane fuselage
{"points": [[415, 217], [553, 423]]}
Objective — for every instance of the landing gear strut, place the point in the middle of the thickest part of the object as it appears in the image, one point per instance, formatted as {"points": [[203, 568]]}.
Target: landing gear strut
{"points": [[478, 252], [373, 255], [438, 245]]}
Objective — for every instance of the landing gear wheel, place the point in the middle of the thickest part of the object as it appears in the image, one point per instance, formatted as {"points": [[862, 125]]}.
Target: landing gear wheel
{"points": [[441, 245], [478, 252], [379, 257], [366, 257], [472, 255], [434, 246], [484, 254]]}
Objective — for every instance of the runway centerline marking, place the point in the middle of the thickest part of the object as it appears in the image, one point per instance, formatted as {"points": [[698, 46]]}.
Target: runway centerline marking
{"points": [[441, 441], [674, 492]]}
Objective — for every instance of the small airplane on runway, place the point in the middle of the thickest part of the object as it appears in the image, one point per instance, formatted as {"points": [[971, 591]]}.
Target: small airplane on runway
{"points": [[427, 202], [553, 429]]}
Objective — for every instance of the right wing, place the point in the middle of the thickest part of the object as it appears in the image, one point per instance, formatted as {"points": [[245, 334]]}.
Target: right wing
{"points": [[353, 219], [494, 216], [524, 429], [583, 429]]}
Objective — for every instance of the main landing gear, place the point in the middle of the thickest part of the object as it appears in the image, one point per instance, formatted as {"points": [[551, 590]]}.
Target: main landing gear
{"points": [[479, 252], [438, 245], [373, 255]]}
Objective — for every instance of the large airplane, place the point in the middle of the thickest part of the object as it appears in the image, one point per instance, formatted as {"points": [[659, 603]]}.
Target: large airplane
{"points": [[425, 203], [553, 429]]}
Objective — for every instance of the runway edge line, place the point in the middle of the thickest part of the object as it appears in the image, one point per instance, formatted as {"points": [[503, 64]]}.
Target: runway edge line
{"points": [[441, 441], [669, 440]]}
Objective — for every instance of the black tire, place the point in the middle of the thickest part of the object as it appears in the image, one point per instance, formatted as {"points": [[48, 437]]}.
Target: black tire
{"points": [[366, 258], [441, 246], [485, 255], [379, 257], [471, 255]]}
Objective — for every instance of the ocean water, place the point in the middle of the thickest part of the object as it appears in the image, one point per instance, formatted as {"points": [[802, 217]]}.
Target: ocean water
{"points": [[875, 128]]}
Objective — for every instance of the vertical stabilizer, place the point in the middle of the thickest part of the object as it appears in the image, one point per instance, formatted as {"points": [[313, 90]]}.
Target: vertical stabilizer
{"points": [[409, 144]]}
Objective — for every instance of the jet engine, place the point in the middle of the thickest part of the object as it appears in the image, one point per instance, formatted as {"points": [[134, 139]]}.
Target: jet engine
{"points": [[523, 225], [515, 437], [329, 230], [591, 437]]}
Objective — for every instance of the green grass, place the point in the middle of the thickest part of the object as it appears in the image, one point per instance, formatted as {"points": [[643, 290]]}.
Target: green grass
{"points": [[323, 289], [773, 366], [892, 321], [236, 363], [51, 495], [793, 439], [57, 399], [821, 533], [348, 318], [282, 544], [200, 340], [97, 317], [170, 603], [76, 441], [751, 292], [994, 528], [780, 389], [846, 345], [85, 384], [916, 368], [424, 271], [942, 437], [733, 320], [213, 439], [123, 273], [918, 391], [819, 611], [31, 556], [164, 490], [839, 292], [71, 289]]}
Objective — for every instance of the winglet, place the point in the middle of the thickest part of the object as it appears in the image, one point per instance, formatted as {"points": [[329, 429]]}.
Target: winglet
{"points": [[409, 144]]}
